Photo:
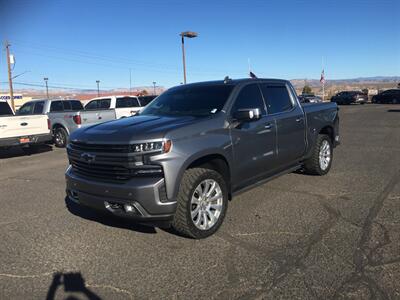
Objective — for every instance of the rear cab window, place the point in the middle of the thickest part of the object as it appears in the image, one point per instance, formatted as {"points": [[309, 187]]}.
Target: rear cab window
{"points": [[39, 106], [76, 105], [277, 98], [5, 109], [127, 102]]}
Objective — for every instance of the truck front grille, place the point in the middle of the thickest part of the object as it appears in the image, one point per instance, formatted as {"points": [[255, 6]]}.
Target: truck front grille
{"points": [[109, 162]]}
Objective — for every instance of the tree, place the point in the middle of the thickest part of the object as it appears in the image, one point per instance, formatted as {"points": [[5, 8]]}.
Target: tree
{"points": [[398, 85], [307, 89]]}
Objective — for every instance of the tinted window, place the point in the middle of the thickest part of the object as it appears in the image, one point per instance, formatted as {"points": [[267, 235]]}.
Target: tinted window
{"points": [[38, 110], [104, 103], [5, 109], [144, 100], [197, 100], [92, 104], [249, 97], [26, 109], [66, 105], [56, 106], [277, 97], [76, 105], [126, 102]]}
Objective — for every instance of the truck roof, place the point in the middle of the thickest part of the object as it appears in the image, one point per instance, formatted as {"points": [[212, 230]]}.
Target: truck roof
{"points": [[237, 81]]}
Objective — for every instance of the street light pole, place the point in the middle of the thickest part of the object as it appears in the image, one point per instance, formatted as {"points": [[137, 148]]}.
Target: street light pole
{"points": [[188, 34], [7, 45], [98, 89], [47, 87], [154, 88]]}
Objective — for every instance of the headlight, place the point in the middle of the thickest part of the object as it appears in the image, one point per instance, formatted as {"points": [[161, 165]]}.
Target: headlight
{"points": [[148, 147]]}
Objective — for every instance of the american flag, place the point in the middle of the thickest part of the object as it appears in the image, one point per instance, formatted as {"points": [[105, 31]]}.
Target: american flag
{"points": [[322, 80]]}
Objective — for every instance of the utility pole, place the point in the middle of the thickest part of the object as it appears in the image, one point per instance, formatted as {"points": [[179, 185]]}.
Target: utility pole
{"points": [[7, 45], [47, 87], [154, 88], [98, 89]]}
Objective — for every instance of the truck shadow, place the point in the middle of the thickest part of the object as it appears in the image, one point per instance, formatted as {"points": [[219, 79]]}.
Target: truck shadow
{"points": [[26, 151], [106, 218], [72, 283]]}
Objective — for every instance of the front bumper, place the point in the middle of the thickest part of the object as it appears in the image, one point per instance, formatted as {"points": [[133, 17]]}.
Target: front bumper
{"points": [[33, 139], [142, 199]]}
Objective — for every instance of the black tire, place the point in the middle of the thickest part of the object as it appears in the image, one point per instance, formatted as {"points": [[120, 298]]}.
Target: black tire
{"points": [[60, 137], [312, 165], [182, 221]]}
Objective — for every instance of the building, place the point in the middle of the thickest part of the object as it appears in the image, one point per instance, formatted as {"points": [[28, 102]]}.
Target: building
{"points": [[19, 99]]}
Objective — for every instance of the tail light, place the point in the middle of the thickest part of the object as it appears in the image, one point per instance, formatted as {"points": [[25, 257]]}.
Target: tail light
{"points": [[48, 124], [77, 119]]}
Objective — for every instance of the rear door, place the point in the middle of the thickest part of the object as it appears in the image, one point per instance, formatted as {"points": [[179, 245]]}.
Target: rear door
{"points": [[290, 123], [97, 111], [254, 143]]}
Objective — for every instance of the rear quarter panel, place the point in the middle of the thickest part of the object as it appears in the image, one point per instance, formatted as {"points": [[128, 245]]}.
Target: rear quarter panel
{"points": [[15, 126], [319, 116]]}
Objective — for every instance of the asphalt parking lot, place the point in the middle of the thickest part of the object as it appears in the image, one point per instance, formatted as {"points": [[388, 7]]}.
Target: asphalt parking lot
{"points": [[305, 237]]}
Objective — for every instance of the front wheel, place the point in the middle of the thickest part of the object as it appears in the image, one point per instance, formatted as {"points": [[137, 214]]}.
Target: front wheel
{"points": [[60, 137], [202, 203], [322, 154]]}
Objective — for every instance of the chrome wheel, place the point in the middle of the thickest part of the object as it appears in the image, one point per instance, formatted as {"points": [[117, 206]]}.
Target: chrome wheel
{"points": [[206, 204], [324, 155]]}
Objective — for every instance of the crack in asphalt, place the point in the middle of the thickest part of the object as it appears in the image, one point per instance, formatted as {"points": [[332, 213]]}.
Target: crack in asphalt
{"points": [[364, 256]]}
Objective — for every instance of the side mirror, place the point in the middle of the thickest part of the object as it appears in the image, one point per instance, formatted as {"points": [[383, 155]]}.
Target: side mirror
{"points": [[247, 114]]}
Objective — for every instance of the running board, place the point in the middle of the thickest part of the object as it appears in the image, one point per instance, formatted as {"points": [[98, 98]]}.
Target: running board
{"points": [[265, 180]]}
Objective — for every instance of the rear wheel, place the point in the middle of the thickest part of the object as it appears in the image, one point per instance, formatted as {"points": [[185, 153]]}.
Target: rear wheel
{"points": [[202, 203], [321, 160], [60, 137]]}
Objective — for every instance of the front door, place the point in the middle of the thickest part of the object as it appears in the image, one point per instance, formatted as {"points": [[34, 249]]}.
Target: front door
{"points": [[254, 145]]}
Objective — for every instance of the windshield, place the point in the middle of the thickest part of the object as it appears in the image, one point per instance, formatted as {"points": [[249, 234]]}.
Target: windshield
{"points": [[190, 101]]}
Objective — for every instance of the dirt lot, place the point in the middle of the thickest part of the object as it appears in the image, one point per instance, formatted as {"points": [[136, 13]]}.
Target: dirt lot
{"points": [[298, 236]]}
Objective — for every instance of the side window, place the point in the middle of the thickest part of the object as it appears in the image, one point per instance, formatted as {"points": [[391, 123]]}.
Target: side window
{"points": [[92, 104], [249, 97], [38, 110], [124, 102], [144, 100], [104, 103], [56, 106], [277, 98], [135, 102], [76, 105], [26, 109], [66, 105]]}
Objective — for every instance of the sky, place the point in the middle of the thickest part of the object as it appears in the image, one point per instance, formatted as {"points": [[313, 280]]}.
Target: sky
{"points": [[74, 43]]}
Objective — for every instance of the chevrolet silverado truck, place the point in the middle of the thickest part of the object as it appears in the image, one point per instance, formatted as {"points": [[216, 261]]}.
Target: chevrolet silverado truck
{"points": [[22, 130], [195, 147]]}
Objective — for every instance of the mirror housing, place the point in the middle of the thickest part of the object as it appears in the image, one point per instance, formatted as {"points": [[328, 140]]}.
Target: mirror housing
{"points": [[247, 114]]}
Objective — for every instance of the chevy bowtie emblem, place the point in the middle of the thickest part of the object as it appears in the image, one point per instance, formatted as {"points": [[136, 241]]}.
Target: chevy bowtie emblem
{"points": [[89, 158]]}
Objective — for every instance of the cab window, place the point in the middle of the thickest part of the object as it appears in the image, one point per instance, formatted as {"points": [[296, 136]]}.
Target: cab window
{"points": [[56, 106], [277, 98], [26, 109], [249, 97]]}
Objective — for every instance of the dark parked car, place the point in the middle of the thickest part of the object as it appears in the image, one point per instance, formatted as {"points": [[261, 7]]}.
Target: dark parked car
{"points": [[196, 146], [389, 96], [309, 98], [349, 97]]}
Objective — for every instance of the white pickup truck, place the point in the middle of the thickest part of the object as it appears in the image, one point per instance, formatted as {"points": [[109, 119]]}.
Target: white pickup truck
{"points": [[22, 130], [123, 106]]}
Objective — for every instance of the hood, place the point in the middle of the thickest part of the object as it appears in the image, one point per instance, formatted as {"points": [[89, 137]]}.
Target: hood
{"points": [[126, 130]]}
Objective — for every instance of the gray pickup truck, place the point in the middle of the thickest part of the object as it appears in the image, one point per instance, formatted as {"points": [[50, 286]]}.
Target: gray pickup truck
{"points": [[196, 146]]}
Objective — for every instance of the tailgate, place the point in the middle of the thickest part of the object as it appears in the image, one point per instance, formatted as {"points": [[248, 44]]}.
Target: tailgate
{"points": [[96, 116], [16, 126]]}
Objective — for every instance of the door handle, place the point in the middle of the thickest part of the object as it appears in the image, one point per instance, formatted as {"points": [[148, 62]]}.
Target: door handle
{"points": [[268, 126], [299, 119]]}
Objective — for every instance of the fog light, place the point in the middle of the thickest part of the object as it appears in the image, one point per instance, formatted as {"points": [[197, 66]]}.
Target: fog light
{"points": [[129, 208]]}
